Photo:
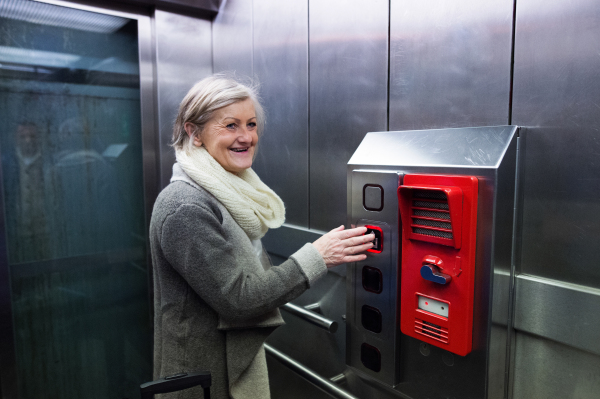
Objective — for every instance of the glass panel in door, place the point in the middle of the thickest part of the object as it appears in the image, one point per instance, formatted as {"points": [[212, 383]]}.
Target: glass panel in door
{"points": [[70, 142]]}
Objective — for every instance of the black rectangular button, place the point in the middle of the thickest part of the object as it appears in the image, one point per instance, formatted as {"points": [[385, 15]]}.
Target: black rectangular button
{"points": [[372, 279]]}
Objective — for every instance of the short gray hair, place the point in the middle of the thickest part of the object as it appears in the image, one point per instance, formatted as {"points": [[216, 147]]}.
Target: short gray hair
{"points": [[207, 96]]}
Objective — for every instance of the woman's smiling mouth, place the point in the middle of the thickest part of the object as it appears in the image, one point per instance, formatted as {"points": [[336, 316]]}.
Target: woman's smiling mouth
{"points": [[239, 149]]}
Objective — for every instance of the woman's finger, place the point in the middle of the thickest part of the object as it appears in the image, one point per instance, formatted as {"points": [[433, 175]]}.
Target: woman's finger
{"points": [[360, 239], [355, 249], [354, 258], [340, 228], [357, 231]]}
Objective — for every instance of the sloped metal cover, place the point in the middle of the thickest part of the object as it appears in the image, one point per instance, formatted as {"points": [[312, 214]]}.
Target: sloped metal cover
{"points": [[481, 147]]}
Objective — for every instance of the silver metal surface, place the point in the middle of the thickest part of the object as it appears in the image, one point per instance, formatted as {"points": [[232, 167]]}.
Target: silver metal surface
{"points": [[183, 57], [281, 66], [557, 86], [563, 312], [462, 147], [311, 317], [309, 375], [547, 369], [449, 63], [348, 95], [556, 90], [502, 274], [232, 38], [488, 153], [287, 239], [316, 348]]}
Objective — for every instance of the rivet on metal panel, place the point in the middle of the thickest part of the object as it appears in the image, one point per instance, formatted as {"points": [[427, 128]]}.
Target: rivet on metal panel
{"points": [[424, 349]]}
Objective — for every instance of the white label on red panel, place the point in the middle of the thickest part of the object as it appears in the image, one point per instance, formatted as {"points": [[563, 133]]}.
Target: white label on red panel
{"points": [[433, 306]]}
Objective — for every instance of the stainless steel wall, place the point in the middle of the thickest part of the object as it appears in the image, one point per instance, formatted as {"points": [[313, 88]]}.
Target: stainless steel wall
{"points": [[348, 95], [556, 97], [183, 56], [449, 63], [281, 66]]}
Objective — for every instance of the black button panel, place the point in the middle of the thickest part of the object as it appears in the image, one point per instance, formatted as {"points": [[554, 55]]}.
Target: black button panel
{"points": [[372, 279]]}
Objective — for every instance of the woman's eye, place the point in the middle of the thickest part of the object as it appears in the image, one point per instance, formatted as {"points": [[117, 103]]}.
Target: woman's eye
{"points": [[230, 126], [252, 125]]}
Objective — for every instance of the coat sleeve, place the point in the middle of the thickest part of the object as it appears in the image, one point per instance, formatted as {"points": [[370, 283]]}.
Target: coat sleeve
{"points": [[194, 243]]}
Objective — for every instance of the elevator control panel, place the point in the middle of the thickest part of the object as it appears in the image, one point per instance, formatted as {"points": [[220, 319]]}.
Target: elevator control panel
{"points": [[439, 223]]}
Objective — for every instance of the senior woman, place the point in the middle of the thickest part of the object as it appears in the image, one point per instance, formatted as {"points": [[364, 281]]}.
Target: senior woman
{"points": [[216, 291]]}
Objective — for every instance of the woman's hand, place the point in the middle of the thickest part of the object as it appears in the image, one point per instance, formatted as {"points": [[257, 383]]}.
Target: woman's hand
{"points": [[344, 246]]}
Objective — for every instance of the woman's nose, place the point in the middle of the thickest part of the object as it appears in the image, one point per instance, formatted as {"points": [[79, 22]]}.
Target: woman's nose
{"points": [[245, 135]]}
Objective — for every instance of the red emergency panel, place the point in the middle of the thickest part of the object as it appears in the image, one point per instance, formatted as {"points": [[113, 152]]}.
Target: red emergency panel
{"points": [[439, 226]]}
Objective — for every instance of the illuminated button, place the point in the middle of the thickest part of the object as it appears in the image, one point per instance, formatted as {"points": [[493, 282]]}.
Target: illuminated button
{"points": [[372, 279], [373, 197], [378, 241], [370, 357], [371, 319]]}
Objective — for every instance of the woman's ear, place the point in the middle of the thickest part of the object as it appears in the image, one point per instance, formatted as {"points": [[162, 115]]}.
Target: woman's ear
{"points": [[191, 130]]}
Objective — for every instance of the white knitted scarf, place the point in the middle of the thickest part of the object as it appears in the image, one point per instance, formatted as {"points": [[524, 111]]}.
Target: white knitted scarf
{"points": [[253, 205]]}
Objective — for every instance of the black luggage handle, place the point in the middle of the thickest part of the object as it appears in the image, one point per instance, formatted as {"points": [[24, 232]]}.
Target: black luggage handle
{"points": [[177, 382]]}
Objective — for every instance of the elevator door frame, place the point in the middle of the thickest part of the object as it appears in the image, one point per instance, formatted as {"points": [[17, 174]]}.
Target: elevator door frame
{"points": [[8, 363]]}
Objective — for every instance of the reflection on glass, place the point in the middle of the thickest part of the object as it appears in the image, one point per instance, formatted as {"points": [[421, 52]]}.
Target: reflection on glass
{"points": [[70, 142]]}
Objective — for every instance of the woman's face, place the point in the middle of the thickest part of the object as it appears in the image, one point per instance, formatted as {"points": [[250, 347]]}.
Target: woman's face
{"points": [[231, 136]]}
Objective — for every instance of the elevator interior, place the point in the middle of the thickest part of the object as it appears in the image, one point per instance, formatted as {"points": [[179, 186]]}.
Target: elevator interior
{"points": [[330, 72]]}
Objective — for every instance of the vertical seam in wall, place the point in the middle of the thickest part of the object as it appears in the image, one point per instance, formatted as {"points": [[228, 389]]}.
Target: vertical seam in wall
{"points": [[389, 63], [252, 46], [308, 108], [512, 61], [511, 336], [157, 120], [212, 45]]}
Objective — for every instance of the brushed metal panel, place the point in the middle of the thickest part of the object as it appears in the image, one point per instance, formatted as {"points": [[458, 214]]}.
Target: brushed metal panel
{"points": [[150, 145], [281, 66], [449, 63], [312, 346], [563, 312], [287, 239], [348, 95], [287, 384], [556, 92], [547, 369], [232, 38], [470, 147], [183, 56]]}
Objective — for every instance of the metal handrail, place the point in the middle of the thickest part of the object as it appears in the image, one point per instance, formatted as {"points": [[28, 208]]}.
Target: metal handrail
{"points": [[309, 375], [312, 317]]}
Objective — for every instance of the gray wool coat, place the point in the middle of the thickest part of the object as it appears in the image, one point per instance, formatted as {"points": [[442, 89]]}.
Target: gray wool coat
{"points": [[216, 296]]}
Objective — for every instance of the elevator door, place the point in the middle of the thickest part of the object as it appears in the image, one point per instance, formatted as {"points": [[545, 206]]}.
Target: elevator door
{"points": [[73, 195]]}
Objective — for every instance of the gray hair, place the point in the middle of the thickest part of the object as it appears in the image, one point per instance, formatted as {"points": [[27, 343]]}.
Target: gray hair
{"points": [[207, 96]]}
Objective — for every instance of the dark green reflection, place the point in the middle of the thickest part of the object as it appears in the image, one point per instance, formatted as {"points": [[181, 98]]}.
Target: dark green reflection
{"points": [[70, 141]]}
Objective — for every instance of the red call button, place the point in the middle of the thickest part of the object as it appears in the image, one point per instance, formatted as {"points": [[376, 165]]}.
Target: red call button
{"points": [[378, 241]]}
